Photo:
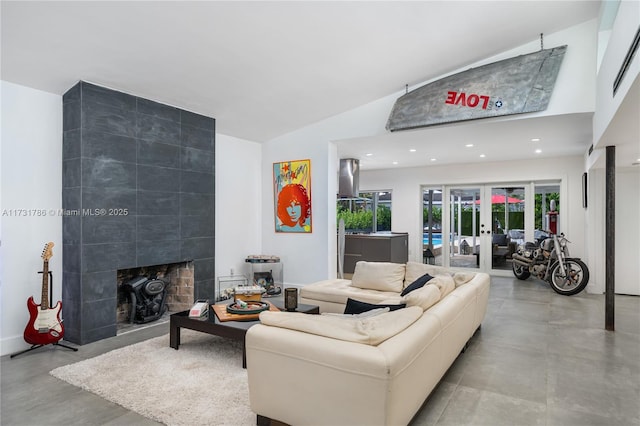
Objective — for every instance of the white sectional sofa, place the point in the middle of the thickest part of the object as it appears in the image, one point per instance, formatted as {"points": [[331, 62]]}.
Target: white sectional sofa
{"points": [[374, 368]]}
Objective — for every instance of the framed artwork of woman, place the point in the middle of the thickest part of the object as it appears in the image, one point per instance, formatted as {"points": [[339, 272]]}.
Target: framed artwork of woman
{"points": [[292, 196]]}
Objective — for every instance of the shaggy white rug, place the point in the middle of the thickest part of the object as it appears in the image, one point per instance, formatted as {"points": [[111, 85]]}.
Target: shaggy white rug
{"points": [[203, 383]]}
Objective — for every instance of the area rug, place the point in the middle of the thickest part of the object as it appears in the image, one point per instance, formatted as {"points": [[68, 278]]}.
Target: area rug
{"points": [[203, 383]]}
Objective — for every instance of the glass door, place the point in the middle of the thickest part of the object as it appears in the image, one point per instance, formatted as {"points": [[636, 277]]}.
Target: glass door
{"points": [[484, 225], [432, 225], [463, 241], [508, 223]]}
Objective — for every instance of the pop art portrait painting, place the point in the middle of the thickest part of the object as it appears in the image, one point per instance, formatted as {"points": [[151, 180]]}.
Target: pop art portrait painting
{"points": [[292, 196]]}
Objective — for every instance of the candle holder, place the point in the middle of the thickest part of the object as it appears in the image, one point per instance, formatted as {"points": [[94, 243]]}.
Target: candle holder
{"points": [[291, 299]]}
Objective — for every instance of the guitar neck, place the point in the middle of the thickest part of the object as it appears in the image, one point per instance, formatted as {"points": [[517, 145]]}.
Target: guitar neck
{"points": [[44, 302]]}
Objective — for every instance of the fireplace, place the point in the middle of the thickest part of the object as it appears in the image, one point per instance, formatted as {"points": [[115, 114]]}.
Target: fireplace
{"points": [[145, 293], [139, 186]]}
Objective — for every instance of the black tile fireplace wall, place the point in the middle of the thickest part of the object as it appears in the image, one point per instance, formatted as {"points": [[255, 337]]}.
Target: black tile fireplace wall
{"points": [[138, 190]]}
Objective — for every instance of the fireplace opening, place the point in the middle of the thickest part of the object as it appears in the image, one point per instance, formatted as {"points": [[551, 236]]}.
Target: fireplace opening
{"points": [[147, 297], [149, 294]]}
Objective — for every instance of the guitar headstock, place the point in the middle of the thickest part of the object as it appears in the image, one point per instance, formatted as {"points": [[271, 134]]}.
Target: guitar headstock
{"points": [[47, 251]]}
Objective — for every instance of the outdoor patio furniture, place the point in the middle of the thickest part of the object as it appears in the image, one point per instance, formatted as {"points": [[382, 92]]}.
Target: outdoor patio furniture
{"points": [[501, 249]]}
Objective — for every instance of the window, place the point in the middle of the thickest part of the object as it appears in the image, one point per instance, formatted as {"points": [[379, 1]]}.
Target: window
{"points": [[369, 212], [545, 193], [432, 225]]}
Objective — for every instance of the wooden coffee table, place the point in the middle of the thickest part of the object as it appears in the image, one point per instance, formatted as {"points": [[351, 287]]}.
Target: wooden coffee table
{"points": [[230, 329]]}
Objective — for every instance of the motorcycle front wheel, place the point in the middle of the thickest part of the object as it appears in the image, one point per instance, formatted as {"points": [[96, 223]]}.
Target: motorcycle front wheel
{"points": [[575, 279]]}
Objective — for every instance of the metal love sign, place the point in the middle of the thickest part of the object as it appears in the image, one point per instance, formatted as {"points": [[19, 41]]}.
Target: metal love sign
{"points": [[512, 86]]}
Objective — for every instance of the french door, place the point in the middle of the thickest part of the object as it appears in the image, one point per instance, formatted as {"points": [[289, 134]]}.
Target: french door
{"points": [[484, 225]]}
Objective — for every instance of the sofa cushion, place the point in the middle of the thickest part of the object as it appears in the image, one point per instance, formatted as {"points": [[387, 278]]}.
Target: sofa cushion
{"points": [[381, 276], [370, 331], [337, 291], [416, 284], [445, 283], [395, 300], [365, 314], [424, 297], [463, 277], [357, 307], [415, 270]]}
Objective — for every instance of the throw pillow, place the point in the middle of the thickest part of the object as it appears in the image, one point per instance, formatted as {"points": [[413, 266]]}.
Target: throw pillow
{"points": [[381, 276], [424, 297], [463, 277], [416, 284], [358, 307], [415, 270], [394, 300], [369, 331], [445, 283], [365, 314]]}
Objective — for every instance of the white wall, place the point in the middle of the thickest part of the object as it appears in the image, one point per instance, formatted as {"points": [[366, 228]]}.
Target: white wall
{"points": [[574, 89], [31, 158], [627, 230], [624, 28], [405, 184], [303, 255], [309, 258], [31, 172], [605, 120], [627, 269], [238, 203]]}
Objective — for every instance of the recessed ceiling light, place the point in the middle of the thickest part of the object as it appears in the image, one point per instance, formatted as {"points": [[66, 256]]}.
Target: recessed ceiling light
{"points": [[469, 145], [395, 162], [538, 151], [482, 155], [535, 140], [412, 150], [433, 159], [369, 154]]}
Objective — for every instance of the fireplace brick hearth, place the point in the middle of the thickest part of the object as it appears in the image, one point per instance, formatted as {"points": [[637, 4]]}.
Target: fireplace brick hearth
{"points": [[180, 297], [139, 186]]}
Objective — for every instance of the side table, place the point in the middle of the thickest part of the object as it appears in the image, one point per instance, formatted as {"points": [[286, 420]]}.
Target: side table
{"points": [[266, 271]]}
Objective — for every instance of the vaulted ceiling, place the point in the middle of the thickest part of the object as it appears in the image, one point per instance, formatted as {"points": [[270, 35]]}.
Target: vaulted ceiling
{"points": [[264, 69]]}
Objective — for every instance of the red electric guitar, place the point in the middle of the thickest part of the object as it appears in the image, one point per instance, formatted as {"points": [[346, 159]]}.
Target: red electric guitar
{"points": [[44, 325]]}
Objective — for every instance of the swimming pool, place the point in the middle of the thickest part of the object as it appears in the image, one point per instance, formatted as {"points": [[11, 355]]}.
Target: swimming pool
{"points": [[436, 238]]}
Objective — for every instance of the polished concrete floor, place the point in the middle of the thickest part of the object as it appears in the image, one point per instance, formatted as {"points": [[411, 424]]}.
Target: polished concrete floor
{"points": [[539, 359]]}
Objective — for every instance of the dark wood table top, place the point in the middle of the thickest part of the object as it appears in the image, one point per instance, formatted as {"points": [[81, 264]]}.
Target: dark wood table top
{"points": [[243, 325]]}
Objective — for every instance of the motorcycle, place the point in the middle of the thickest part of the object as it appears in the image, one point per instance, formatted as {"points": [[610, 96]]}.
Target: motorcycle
{"points": [[549, 260]]}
